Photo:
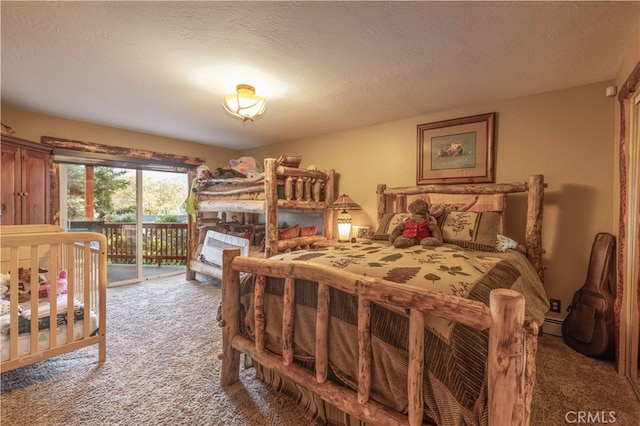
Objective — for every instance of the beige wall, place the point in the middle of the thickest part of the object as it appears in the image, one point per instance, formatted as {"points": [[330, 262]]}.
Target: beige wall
{"points": [[32, 126], [565, 135]]}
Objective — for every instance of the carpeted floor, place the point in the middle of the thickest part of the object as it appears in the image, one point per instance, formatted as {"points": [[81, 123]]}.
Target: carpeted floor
{"points": [[171, 375]]}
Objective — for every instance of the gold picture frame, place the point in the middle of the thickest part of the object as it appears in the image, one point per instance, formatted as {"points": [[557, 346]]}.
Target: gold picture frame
{"points": [[460, 150]]}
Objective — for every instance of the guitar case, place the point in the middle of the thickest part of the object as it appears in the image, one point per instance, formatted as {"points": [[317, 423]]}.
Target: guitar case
{"points": [[589, 327]]}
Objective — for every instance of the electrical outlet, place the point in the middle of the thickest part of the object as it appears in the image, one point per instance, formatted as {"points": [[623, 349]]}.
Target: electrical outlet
{"points": [[554, 305]]}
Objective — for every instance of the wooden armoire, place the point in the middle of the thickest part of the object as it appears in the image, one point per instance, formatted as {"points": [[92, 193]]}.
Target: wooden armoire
{"points": [[25, 188]]}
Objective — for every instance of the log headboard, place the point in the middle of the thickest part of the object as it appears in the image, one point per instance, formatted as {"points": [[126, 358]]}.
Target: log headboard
{"points": [[477, 197]]}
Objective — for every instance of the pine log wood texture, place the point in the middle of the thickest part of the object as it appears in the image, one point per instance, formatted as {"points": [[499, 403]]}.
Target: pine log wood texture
{"points": [[506, 359], [508, 403], [625, 98], [95, 148]]}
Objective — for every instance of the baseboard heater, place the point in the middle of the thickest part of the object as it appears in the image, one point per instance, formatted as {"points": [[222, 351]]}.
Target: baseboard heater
{"points": [[552, 326]]}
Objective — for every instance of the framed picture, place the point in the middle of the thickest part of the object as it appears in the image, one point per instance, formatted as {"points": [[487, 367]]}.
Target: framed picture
{"points": [[456, 151], [361, 232]]}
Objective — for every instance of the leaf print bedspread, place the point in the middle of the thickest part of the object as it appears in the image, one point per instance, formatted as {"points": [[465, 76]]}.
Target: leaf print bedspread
{"points": [[448, 269]]}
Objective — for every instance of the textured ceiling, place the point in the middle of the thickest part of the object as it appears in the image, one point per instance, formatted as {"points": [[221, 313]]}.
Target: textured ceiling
{"points": [[164, 67]]}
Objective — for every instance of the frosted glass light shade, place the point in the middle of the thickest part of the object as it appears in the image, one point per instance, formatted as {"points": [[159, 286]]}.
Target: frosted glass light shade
{"points": [[244, 104], [344, 226], [344, 203]]}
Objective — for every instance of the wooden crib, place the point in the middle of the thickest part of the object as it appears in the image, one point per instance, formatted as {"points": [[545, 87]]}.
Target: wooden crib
{"points": [[82, 255]]}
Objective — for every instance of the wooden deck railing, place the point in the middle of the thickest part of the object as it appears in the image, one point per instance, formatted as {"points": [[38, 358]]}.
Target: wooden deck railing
{"points": [[162, 243]]}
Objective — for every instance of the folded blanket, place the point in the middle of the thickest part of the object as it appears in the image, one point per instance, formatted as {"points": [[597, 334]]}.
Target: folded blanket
{"points": [[44, 310], [24, 325]]}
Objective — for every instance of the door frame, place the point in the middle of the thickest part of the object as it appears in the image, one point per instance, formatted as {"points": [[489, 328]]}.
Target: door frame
{"points": [[626, 305]]}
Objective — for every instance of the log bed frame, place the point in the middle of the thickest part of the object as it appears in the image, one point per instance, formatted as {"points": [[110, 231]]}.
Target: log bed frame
{"points": [[512, 343]]}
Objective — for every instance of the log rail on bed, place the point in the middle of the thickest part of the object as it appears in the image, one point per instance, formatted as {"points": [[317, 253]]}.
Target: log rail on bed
{"points": [[509, 342], [534, 187]]}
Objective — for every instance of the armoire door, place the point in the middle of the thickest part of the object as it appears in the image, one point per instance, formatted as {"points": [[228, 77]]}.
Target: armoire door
{"points": [[25, 196]]}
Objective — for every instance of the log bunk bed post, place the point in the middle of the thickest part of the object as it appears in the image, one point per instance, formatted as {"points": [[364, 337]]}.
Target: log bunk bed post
{"points": [[308, 186], [271, 200], [509, 346]]}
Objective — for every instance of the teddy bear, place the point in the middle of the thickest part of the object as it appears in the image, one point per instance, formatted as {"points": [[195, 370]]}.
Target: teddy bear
{"points": [[420, 228], [247, 166], [24, 283], [61, 285], [203, 175]]}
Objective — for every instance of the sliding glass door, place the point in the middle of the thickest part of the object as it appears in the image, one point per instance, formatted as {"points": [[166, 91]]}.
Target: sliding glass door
{"points": [[142, 214]]}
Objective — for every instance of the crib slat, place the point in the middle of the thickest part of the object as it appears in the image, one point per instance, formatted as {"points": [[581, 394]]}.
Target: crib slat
{"points": [[68, 253], [13, 297], [53, 299], [34, 265]]}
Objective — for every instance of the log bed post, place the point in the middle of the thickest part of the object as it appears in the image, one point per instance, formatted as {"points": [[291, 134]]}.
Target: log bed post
{"points": [[533, 232], [230, 371], [192, 232], [271, 202], [329, 197], [506, 361], [382, 202], [415, 374]]}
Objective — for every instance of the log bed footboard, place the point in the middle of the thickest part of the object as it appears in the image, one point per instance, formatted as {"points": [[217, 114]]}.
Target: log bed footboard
{"points": [[510, 345]]}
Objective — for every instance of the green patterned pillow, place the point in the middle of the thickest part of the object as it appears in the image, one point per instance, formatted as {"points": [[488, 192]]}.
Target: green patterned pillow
{"points": [[388, 222], [473, 230]]}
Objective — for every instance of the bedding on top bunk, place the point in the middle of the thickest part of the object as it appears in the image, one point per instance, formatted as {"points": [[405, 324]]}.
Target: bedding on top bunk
{"points": [[455, 355]]}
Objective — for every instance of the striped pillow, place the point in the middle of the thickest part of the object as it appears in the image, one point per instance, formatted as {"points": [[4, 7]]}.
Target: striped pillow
{"points": [[287, 233]]}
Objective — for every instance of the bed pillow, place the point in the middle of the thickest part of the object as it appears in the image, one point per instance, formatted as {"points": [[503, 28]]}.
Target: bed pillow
{"points": [[307, 231], [504, 243], [287, 233], [289, 160], [388, 222], [473, 230]]}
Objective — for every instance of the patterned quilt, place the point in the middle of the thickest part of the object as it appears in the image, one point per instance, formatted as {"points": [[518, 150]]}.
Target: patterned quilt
{"points": [[455, 357]]}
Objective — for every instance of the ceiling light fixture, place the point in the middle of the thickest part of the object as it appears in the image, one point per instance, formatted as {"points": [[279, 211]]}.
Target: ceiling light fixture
{"points": [[244, 104]]}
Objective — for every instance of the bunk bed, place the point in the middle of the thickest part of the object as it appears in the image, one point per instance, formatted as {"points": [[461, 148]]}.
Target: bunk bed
{"points": [[353, 334], [281, 187], [67, 294]]}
